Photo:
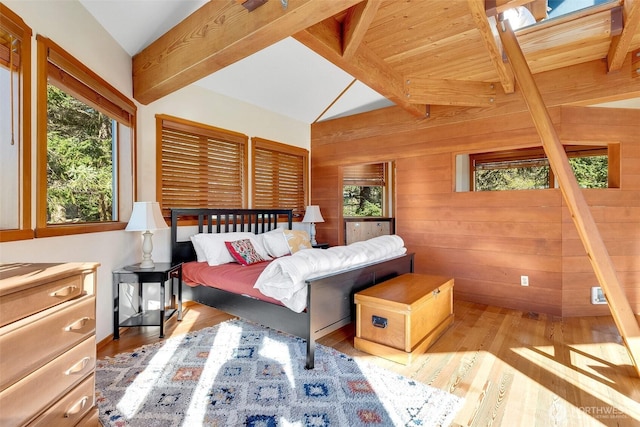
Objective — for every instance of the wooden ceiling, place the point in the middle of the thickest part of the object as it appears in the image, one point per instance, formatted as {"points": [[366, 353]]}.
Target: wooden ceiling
{"points": [[416, 53]]}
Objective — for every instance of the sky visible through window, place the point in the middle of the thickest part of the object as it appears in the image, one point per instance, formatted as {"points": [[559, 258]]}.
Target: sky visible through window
{"points": [[562, 7]]}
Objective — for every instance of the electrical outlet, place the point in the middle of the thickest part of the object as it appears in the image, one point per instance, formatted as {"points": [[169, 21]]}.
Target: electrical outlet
{"points": [[597, 296], [524, 280]]}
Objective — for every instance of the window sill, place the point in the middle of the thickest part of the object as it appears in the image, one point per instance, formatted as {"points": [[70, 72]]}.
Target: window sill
{"points": [[64, 230], [15, 235]]}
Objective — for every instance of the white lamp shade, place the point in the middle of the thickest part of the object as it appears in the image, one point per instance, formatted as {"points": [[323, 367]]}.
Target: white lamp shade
{"points": [[146, 216], [313, 214]]}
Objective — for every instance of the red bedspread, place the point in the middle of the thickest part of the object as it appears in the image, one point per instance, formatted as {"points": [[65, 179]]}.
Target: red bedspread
{"points": [[231, 277]]}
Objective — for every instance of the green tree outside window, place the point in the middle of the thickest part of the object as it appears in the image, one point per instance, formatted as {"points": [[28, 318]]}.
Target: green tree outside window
{"points": [[80, 149]]}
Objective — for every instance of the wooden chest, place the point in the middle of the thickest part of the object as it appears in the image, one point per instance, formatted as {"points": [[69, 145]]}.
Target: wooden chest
{"points": [[403, 316]]}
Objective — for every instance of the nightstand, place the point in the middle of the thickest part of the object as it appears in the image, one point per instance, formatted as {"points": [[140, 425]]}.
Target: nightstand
{"points": [[160, 273], [320, 246]]}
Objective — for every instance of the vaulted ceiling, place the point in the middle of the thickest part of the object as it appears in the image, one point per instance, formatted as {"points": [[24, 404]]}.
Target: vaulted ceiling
{"points": [[415, 54]]}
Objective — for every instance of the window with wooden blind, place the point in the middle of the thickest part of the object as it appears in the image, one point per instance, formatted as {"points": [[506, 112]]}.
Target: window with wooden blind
{"points": [[15, 127], [280, 176], [366, 189], [199, 166], [371, 174], [86, 146], [528, 168]]}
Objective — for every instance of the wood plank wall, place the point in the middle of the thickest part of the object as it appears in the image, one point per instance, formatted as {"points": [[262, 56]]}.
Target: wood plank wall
{"points": [[617, 212], [487, 240]]}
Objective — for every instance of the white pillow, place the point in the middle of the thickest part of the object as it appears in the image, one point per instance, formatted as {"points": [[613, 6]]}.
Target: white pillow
{"points": [[275, 243], [215, 252], [200, 256]]}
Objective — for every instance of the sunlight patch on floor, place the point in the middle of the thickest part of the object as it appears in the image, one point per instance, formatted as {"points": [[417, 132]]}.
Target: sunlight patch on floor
{"points": [[279, 352], [585, 373], [144, 382], [199, 401]]}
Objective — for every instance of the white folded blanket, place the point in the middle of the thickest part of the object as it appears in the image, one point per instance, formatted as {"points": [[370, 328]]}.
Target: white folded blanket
{"points": [[284, 278]]}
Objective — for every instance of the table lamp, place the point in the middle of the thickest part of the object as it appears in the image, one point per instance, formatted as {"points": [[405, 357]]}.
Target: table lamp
{"points": [[146, 216], [313, 215]]}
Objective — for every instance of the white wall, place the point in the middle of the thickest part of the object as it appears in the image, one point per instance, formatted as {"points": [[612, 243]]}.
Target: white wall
{"points": [[69, 25]]}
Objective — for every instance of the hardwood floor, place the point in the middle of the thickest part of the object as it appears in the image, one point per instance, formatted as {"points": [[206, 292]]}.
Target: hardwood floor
{"points": [[512, 368]]}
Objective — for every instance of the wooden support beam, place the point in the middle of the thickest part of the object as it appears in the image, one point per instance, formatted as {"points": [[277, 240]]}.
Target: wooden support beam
{"points": [[450, 92], [635, 63], [355, 26], [503, 69], [325, 38], [620, 44], [538, 8], [219, 34], [583, 219]]}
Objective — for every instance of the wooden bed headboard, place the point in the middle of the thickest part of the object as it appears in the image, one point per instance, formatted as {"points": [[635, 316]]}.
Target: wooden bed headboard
{"points": [[223, 221]]}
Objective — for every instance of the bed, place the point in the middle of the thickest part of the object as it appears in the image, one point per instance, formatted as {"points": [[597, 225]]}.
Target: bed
{"points": [[329, 298]]}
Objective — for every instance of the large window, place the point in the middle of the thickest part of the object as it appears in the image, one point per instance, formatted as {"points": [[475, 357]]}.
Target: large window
{"points": [[15, 127], [202, 166], [366, 190], [527, 169], [199, 166], [279, 176], [85, 147]]}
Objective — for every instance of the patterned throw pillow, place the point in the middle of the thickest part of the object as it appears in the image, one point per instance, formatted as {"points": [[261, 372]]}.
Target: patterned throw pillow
{"points": [[244, 252], [297, 240]]}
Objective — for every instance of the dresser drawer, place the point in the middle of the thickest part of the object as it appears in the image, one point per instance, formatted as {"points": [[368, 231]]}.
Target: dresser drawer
{"points": [[37, 391], [91, 419], [71, 409], [27, 344], [18, 305]]}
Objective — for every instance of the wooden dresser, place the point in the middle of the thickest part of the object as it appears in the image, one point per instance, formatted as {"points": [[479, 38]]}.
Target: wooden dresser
{"points": [[47, 344]]}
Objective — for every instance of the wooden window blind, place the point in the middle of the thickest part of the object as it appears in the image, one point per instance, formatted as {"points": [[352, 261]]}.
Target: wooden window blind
{"points": [[200, 166], [73, 77], [364, 175], [280, 176]]}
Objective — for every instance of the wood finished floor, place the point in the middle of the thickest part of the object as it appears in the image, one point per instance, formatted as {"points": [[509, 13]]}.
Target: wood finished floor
{"points": [[512, 368]]}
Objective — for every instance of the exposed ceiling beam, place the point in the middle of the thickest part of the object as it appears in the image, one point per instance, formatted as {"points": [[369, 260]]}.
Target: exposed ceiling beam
{"points": [[503, 69], [217, 35], [355, 26], [580, 85], [325, 38], [620, 44], [580, 212], [450, 92]]}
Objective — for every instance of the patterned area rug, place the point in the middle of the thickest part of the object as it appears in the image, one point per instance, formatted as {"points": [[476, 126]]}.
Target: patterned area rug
{"points": [[238, 373]]}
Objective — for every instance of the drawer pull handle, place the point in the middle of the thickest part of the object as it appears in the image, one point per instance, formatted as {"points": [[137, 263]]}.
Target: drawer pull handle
{"points": [[78, 324], [78, 367], [379, 322], [77, 408], [64, 292], [436, 292]]}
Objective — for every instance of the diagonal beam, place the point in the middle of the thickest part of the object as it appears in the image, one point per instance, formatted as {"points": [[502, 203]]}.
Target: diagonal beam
{"points": [[355, 26], [216, 35], [621, 43], [325, 39], [504, 71], [583, 219]]}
